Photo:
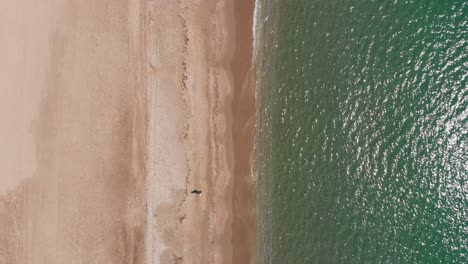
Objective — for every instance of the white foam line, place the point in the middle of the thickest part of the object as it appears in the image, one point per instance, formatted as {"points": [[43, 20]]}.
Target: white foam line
{"points": [[255, 29]]}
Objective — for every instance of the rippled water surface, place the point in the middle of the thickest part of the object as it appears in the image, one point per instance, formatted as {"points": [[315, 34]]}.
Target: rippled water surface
{"points": [[362, 143]]}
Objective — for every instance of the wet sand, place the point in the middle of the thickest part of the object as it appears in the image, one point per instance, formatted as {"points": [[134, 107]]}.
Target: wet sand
{"points": [[204, 111], [131, 106]]}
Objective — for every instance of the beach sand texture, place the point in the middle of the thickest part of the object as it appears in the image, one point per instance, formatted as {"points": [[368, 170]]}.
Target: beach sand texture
{"points": [[112, 113]]}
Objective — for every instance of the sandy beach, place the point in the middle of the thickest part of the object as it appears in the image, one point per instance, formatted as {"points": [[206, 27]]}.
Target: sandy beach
{"points": [[126, 129]]}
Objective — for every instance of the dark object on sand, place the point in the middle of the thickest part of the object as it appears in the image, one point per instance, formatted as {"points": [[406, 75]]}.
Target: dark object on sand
{"points": [[196, 191]]}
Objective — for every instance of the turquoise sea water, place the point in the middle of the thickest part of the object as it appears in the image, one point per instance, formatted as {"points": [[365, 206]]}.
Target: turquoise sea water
{"points": [[362, 131]]}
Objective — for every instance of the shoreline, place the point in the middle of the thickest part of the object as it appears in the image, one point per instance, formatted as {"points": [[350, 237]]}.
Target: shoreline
{"points": [[196, 85]]}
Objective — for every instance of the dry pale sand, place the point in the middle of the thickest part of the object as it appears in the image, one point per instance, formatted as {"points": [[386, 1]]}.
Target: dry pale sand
{"points": [[84, 202], [111, 113]]}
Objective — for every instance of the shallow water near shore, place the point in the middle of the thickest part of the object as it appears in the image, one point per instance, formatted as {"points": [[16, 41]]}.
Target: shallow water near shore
{"points": [[362, 132]]}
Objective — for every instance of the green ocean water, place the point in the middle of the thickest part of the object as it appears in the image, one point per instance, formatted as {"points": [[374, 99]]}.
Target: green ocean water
{"points": [[362, 131]]}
